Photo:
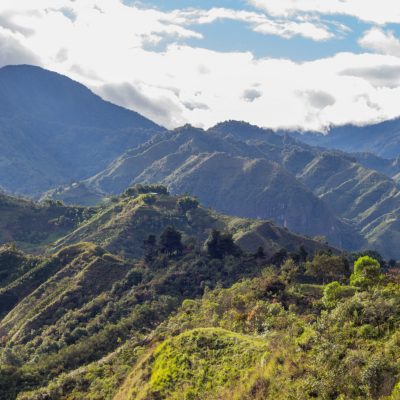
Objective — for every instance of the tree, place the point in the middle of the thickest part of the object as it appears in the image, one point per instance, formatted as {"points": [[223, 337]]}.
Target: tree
{"points": [[220, 245], [371, 253], [279, 257], [171, 241], [303, 254], [149, 198], [260, 253], [144, 189], [367, 272], [187, 203]]}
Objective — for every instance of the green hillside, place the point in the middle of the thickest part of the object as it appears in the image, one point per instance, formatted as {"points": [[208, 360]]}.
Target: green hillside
{"points": [[80, 304], [229, 263], [196, 362], [154, 296], [282, 334], [121, 225], [308, 347]]}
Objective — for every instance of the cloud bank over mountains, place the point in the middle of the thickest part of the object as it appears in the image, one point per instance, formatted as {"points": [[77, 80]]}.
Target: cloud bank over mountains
{"points": [[156, 62]]}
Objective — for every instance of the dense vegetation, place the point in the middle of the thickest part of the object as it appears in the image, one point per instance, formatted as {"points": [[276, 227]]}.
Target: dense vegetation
{"points": [[196, 316]]}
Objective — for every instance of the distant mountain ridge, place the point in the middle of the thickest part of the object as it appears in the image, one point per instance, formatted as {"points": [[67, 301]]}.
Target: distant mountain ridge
{"points": [[262, 174], [54, 130], [381, 139], [232, 176]]}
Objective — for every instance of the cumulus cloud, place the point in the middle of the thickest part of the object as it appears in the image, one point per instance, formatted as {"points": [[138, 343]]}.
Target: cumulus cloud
{"points": [[156, 105], [309, 95], [381, 42], [379, 12], [109, 47]]}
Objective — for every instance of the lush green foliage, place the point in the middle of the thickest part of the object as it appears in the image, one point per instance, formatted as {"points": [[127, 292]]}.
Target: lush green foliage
{"points": [[196, 317], [366, 272], [200, 361]]}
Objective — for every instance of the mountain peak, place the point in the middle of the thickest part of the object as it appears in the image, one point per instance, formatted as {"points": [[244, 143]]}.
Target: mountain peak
{"points": [[28, 89], [240, 130]]}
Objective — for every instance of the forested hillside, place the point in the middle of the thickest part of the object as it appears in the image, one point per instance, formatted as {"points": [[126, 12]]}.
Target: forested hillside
{"points": [[118, 275], [227, 263], [195, 311]]}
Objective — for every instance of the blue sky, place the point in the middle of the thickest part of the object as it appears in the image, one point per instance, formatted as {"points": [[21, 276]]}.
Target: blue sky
{"points": [[298, 64], [228, 35]]}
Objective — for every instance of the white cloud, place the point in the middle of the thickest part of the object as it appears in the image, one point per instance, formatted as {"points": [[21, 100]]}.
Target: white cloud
{"points": [[259, 22], [379, 12], [381, 42], [268, 92], [12, 51], [106, 45]]}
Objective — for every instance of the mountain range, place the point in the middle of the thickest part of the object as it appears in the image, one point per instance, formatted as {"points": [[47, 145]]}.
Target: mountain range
{"points": [[149, 264], [351, 199], [247, 171]]}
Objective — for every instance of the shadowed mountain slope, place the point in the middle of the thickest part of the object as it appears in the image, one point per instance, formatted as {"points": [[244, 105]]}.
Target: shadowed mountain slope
{"points": [[54, 130], [247, 171]]}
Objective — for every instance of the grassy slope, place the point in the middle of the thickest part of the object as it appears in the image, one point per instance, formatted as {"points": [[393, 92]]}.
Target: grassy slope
{"points": [[305, 355], [255, 341], [199, 361], [365, 197]]}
